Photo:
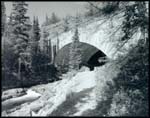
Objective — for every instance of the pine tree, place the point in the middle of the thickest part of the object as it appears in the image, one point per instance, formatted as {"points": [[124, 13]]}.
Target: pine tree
{"points": [[66, 25], [3, 25], [3, 18], [49, 49], [57, 42], [54, 19], [75, 53], [21, 26], [35, 35], [37, 30], [8, 56], [45, 35], [47, 20], [20, 36]]}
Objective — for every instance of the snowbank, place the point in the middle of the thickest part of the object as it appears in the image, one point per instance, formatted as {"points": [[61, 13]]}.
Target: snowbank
{"points": [[90, 104], [12, 93], [30, 96], [79, 82], [83, 81]]}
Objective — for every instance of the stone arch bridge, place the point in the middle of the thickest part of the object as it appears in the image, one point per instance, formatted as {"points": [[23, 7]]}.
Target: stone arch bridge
{"points": [[98, 38]]}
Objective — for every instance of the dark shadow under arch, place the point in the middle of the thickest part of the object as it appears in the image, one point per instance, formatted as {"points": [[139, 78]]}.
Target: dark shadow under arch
{"points": [[90, 56]]}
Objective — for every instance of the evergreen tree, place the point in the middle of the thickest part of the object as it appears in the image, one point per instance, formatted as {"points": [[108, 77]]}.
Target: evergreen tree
{"points": [[75, 53], [57, 42], [37, 30], [3, 24], [35, 51], [49, 49], [45, 42], [47, 21], [45, 34], [19, 36], [21, 26], [3, 18], [35, 35], [66, 25], [54, 19], [8, 56]]}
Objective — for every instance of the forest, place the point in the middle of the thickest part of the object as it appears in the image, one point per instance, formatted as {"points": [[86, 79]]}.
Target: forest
{"points": [[121, 86]]}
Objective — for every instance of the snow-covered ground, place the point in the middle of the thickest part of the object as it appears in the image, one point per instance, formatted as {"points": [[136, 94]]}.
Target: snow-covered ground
{"points": [[12, 93], [78, 83], [74, 95], [54, 94], [13, 102], [89, 104]]}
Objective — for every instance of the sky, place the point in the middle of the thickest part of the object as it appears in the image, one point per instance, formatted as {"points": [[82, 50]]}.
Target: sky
{"points": [[40, 9]]}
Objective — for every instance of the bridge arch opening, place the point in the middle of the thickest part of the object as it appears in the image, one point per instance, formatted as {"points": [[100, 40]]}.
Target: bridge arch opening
{"points": [[90, 57]]}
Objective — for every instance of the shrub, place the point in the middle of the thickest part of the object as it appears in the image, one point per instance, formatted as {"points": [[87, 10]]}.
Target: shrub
{"points": [[133, 79]]}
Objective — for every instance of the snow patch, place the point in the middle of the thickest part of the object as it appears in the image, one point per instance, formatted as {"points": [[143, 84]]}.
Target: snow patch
{"points": [[90, 104], [10, 103], [83, 81], [80, 82]]}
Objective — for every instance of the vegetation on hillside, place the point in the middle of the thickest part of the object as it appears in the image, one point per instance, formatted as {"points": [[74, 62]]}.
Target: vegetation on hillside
{"points": [[75, 53], [52, 20], [23, 62], [127, 95]]}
